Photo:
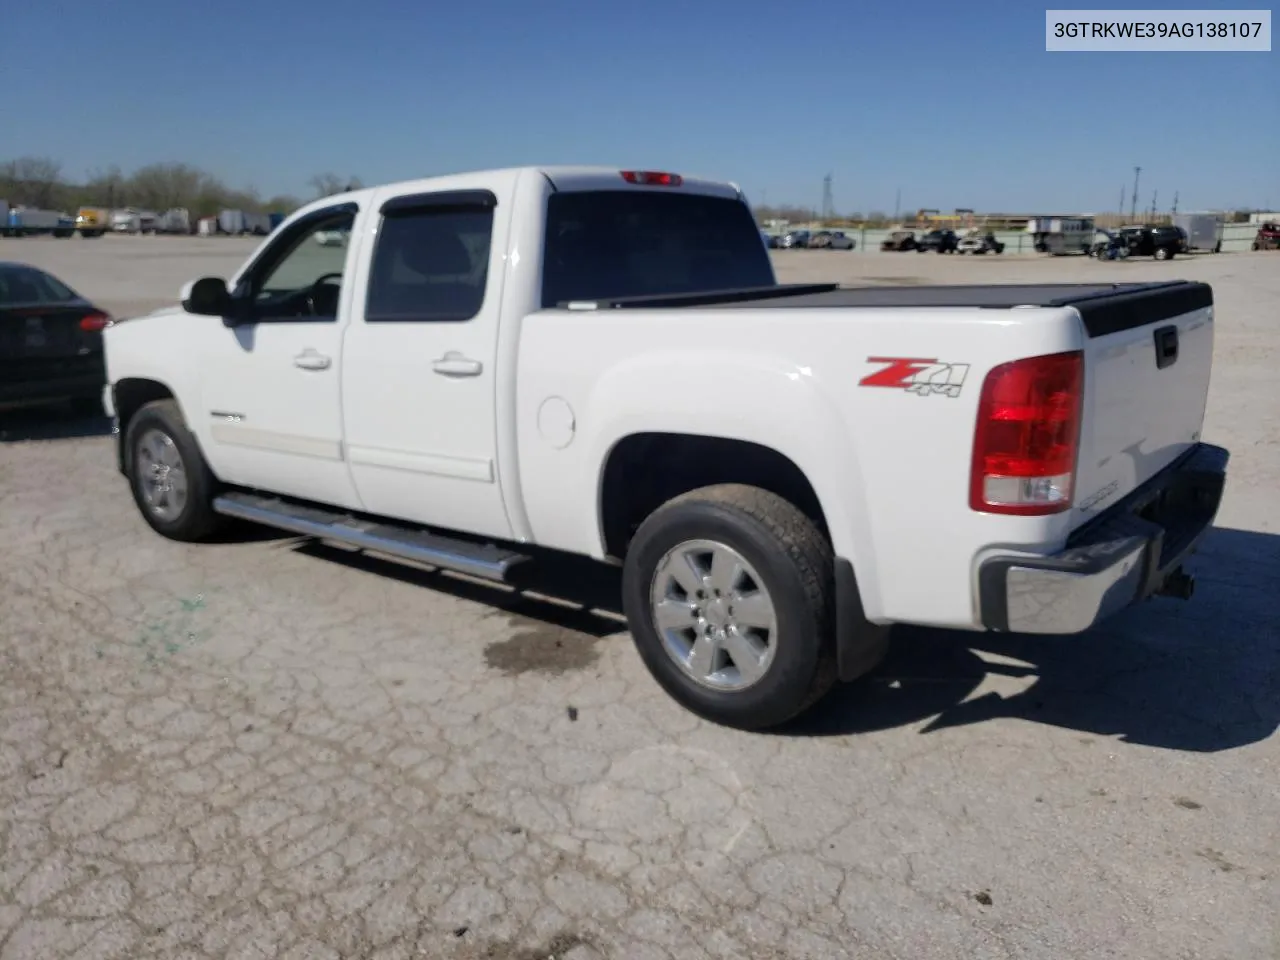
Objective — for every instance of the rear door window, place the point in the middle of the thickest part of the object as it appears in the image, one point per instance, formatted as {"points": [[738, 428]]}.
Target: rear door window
{"points": [[430, 265]]}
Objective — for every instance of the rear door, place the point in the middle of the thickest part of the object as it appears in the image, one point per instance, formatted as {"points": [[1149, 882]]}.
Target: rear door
{"points": [[1148, 358], [420, 370]]}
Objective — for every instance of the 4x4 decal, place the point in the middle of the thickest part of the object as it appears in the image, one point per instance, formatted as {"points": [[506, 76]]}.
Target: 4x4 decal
{"points": [[916, 375]]}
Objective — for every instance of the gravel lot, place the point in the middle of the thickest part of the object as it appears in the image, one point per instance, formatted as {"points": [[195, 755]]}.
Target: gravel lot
{"points": [[265, 748]]}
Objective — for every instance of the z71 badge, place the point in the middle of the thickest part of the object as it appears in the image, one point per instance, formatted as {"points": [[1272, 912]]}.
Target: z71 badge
{"points": [[914, 375]]}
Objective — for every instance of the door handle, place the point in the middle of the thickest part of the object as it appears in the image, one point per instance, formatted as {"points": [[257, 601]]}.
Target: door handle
{"points": [[454, 364], [1166, 347], [310, 360]]}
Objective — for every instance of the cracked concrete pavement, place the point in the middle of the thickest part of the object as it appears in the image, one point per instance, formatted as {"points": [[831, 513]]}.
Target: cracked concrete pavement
{"points": [[269, 748]]}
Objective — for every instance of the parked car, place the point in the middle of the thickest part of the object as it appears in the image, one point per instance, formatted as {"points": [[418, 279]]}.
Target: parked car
{"points": [[422, 396], [1267, 237], [794, 240], [770, 239], [979, 243], [332, 238], [831, 240], [50, 341], [939, 241], [899, 240], [1162, 243]]}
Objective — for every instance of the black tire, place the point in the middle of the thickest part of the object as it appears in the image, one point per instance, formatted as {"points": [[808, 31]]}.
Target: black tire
{"points": [[1163, 253], [196, 520], [794, 563]]}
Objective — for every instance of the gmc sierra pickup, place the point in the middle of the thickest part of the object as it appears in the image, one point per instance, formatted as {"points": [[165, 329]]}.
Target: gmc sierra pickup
{"points": [[602, 362]]}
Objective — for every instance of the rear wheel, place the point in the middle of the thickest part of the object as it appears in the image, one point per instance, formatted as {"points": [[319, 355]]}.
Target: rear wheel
{"points": [[172, 485], [728, 592]]}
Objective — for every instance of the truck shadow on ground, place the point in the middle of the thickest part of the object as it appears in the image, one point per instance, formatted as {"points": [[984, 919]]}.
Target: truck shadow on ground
{"points": [[1200, 677], [60, 422]]}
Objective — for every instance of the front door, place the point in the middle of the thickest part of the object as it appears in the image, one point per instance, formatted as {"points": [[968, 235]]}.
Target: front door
{"points": [[271, 384], [419, 379]]}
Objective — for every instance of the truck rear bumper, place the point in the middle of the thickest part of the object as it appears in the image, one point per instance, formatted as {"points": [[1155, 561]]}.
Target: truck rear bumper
{"points": [[1133, 551]]}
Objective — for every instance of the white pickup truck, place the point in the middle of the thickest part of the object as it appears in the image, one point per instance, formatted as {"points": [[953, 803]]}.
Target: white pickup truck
{"points": [[502, 364]]}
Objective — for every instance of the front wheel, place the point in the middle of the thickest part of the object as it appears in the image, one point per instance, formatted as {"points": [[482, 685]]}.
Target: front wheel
{"points": [[172, 485], [728, 593]]}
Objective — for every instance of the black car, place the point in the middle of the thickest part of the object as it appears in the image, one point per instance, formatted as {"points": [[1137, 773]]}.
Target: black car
{"points": [[1163, 243], [50, 342], [940, 241]]}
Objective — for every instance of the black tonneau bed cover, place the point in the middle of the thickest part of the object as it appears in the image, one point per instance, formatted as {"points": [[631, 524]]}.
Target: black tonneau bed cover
{"points": [[1104, 307]]}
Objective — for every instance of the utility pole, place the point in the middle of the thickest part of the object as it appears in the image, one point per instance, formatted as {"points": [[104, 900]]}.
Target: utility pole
{"points": [[1133, 209], [828, 201], [897, 204], [1154, 194], [1174, 211], [1120, 209]]}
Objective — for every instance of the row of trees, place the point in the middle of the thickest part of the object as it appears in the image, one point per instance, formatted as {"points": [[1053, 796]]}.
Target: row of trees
{"points": [[41, 182]]}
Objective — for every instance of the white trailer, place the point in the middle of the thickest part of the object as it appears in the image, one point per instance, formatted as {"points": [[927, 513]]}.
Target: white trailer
{"points": [[241, 222], [1061, 235], [174, 220], [129, 220], [1203, 230]]}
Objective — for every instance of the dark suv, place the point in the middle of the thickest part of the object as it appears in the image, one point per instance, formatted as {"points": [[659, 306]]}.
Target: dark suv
{"points": [[1163, 243], [940, 241]]}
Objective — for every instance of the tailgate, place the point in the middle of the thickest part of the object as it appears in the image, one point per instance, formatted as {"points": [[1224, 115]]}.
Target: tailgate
{"points": [[1148, 358]]}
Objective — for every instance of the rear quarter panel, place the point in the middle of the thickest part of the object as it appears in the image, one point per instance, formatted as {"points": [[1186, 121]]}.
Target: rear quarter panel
{"points": [[890, 467]]}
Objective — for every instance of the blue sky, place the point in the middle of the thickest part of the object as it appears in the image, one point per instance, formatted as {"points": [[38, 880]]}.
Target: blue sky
{"points": [[956, 104]]}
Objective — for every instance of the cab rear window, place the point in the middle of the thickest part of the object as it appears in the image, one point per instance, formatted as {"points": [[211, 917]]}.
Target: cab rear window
{"points": [[607, 244]]}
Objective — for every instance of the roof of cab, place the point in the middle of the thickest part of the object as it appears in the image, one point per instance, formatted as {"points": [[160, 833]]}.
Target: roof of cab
{"points": [[566, 178]]}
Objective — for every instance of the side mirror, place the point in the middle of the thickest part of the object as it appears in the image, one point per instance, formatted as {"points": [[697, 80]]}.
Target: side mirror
{"points": [[207, 297]]}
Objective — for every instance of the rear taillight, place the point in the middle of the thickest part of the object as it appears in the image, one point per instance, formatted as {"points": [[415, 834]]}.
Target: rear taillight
{"points": [[651, 178], [93, 322], [1024, 449]]}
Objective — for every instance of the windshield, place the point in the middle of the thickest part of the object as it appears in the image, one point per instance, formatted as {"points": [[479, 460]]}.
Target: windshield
{"points": [[607, 244], [26, 285]]}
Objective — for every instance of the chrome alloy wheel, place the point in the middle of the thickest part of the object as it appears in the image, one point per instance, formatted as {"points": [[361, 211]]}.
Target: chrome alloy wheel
{"points": [[162, 475], [714, 615]]}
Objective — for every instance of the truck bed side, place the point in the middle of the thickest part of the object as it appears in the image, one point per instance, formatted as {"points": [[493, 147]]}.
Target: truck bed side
{"points": [[890, 467], [873, 394]]}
